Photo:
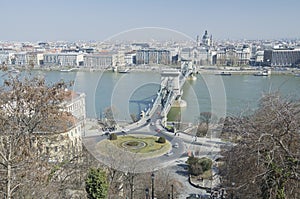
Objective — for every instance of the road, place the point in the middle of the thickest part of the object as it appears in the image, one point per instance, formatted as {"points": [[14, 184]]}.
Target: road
{"points": [[180, 173]]}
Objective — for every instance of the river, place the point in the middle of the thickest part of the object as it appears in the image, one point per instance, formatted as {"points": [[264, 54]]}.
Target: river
{"points": [[132, 92]]}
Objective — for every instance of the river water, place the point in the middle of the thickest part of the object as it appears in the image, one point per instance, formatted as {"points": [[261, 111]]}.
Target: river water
{"points": [[132, 92]]}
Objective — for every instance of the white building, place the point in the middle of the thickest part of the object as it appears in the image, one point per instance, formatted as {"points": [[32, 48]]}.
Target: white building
{"points": [[64, 59], [74, 103], [243, 55], [4, 57], [62, 144], [118, 59], [19, 59], [130, 58]]}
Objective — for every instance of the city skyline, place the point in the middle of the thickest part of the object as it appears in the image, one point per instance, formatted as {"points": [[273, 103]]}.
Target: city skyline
{"points": [[55, 20]]}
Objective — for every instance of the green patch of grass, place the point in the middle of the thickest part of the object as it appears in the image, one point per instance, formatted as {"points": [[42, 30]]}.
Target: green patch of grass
{"points": [[150, 150], [151, 144]]}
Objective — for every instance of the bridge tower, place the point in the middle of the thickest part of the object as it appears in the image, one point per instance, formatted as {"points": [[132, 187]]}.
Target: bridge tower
{"points": [[171, 89], [187, 67], [170, 81]]}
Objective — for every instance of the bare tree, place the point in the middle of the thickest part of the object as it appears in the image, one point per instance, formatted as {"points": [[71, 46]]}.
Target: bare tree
{"points": [[205, 119], [27, 105], [109, 117], [265, 161]]}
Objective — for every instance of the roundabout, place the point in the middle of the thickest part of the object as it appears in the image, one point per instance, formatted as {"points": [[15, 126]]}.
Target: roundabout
{"points": [[141, 145], [134, 145], [137, 152]]}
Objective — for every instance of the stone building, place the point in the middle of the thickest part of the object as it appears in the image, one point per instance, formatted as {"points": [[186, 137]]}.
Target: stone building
{"points": [[61, 139], [59, 142]]}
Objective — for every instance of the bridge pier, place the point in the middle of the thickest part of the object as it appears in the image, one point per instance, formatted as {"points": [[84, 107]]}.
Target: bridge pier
{"points": [[179, 103], [192, 77]]}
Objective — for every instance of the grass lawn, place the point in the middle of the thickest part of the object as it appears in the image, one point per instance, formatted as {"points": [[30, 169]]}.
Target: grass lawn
{"points": [[145, 146], [150, 143]]}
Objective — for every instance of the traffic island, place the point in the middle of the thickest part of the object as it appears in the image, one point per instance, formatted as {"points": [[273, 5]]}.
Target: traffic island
{"points": [[143, 146]]}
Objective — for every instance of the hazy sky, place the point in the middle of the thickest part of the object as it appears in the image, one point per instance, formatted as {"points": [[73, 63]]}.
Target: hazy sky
{"points": [[41, 20]]}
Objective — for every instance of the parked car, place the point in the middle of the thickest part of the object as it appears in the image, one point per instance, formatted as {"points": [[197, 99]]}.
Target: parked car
{"points": [[193, 196], [106, 133]]}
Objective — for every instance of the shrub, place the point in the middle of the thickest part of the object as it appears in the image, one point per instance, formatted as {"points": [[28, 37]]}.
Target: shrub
{"points": [[96, 183], [205, 163], [161, 140], [199, 165], [196, 169], [113, 136], [201, 130]]}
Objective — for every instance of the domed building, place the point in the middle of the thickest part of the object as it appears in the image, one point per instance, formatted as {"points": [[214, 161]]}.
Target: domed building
{"points": [[206, 39]]}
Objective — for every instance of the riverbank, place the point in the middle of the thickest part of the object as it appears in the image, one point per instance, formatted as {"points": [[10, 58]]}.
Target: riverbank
{"points": [[242, 72], [160, 68]]}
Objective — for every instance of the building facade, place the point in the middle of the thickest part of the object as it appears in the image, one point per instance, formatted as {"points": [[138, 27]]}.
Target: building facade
{"points": [[4, 57], [130, 58], [282, 57], [74, 103], [19, 58], [153, 56], [64, 144], [97, 61], [63, 59], [243, 55]]}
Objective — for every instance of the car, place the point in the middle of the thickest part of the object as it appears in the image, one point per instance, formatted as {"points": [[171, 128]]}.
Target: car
{"points": [[152, 123], [192, 196], [176, 145], [169, 153], [157, 130], [106, 133], [125, 130]]}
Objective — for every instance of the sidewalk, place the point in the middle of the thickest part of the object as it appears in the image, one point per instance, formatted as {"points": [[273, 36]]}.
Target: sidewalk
{"points": [[92, 128]]}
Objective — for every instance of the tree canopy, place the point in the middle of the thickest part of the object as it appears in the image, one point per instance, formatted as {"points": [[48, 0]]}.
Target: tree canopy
{"points": [[28, 105], [265, 161], [96, 184]]}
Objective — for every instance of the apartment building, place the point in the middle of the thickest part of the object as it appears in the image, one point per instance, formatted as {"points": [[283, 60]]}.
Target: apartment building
{"points": [[98, 61], [153, 56], [63, 59]]}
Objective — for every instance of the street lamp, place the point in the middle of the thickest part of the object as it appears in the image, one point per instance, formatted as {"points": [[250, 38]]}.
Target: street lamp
{"points": [[147, 193], [152, 178]]}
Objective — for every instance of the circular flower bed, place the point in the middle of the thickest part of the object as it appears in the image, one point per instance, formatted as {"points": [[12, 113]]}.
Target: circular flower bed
{"points": [[133, 144]]}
